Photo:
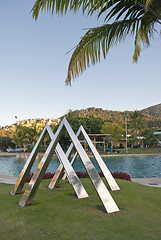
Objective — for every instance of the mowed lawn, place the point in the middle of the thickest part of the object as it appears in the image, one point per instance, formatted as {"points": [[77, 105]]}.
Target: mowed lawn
{"points": [[58, 214]]}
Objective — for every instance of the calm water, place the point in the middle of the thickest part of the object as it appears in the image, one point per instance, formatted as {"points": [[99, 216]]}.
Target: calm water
{"points": [[136, 166]]}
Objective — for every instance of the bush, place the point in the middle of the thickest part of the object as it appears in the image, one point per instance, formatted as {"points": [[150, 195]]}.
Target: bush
{"points": [[121, 175], [117, 174]]}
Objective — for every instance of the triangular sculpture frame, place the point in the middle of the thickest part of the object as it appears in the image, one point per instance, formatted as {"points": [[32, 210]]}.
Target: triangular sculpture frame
{"points": [[32, 187], [77, 185], [107, 174]]}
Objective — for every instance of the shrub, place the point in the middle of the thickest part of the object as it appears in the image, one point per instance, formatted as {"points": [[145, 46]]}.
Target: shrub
{"points": [[29, 177], [48, 175], [121, 175], [117, 174]]}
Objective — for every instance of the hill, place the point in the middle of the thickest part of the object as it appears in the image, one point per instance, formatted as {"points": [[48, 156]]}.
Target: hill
{"points": [[109, 115], [106, 115], [154, 111], [151, 114], [7, 131]]}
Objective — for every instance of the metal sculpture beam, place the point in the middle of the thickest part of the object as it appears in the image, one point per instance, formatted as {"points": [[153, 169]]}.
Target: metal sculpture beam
{"points": [[107, 174], [28, 165], [72, 176], [101, 189], [77, 185]]}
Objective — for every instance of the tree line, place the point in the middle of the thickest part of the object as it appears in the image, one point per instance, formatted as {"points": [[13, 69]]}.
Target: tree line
{"points": [[137, 126]]}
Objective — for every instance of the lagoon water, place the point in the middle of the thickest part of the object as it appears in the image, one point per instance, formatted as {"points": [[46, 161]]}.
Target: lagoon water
{"points": [[142, 166]]}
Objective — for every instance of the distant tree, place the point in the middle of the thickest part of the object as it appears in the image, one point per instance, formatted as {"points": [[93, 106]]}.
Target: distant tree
{"points": [[6, 142], [23, 136], [132, 140], [150, 139], [115, 129], [90, 123], [154, 123], [137, 122]]}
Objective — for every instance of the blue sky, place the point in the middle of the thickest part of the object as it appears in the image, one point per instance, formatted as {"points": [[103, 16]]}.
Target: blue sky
{"points": [[33, 67]]}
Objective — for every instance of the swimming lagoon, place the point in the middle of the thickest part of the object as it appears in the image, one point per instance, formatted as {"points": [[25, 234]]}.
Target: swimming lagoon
{"points": [[138, 166]]}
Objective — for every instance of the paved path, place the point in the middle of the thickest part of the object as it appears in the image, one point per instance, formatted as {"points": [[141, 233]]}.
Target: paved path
{"points": [[7, 179], [152, 182]]}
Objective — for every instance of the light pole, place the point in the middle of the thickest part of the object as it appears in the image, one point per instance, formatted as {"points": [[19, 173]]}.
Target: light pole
{"points": [[126, 131], [16, 130]]}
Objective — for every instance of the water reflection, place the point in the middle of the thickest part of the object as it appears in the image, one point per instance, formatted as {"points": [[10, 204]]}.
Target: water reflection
{"points": [[136, 166]]}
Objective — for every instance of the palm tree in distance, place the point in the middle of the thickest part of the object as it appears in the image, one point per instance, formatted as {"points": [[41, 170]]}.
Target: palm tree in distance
{"points": [[137, 18], [137, 122]]}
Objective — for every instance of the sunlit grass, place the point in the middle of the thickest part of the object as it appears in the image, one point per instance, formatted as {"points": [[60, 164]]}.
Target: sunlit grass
{"points": [[57, 214], [134, 151]]}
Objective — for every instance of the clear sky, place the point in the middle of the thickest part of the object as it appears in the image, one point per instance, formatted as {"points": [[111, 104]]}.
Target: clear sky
{"points": [[33, 67]]}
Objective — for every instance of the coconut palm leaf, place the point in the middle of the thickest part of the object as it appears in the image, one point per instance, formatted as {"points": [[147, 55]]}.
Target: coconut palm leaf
{"points": [[101, 39], [62, 6], [130, 17]]}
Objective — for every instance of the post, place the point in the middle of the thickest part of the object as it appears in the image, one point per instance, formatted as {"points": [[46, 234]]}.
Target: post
{"points": [[126, 131], [16, 130]]}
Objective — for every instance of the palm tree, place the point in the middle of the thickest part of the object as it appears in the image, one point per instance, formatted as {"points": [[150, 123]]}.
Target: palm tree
{"points": [[137, 122], [137, 18]]}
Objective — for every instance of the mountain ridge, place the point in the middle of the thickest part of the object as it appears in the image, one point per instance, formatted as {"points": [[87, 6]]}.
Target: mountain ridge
{"points": [[154, 110], [152, 113]]}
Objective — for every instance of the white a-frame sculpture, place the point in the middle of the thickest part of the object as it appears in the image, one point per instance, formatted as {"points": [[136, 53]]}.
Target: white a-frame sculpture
{"points": [[32, 187], [108, 176], [73, 178]]}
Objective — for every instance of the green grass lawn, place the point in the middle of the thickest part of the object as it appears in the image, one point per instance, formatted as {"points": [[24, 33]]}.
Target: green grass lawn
{"points": [[57, 214], [143, 151], [135, 151]]}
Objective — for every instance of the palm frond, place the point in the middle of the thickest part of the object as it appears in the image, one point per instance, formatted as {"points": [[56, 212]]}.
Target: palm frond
{"points": [[59, 6], [131, 17], [101, 6], [96, 40], [143, 35]]}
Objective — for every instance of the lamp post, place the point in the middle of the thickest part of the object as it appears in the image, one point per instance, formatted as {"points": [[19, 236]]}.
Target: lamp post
{"points": [[16, 130], [1, 131], [126, 131]]}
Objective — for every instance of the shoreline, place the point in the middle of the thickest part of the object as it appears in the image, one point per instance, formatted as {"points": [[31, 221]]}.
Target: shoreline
{"points": [[151, 182], [25, 154]]}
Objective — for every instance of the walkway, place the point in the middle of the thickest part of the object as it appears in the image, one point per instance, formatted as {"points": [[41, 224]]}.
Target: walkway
{"points": [[7, 179], [152, 182]]}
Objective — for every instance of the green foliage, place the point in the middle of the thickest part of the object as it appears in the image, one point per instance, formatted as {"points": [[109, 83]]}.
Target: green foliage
{"points": [[132, 140], [6, 142], [137, 122], [114, 129], [150, 139], [129, 18], [154, 111], [91, 124], [25, 135]]}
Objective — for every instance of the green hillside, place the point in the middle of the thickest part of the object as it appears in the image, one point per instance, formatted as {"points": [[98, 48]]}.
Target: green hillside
{"points": [[109, 115], [154, 111], [152, 115], [114, 116]]}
